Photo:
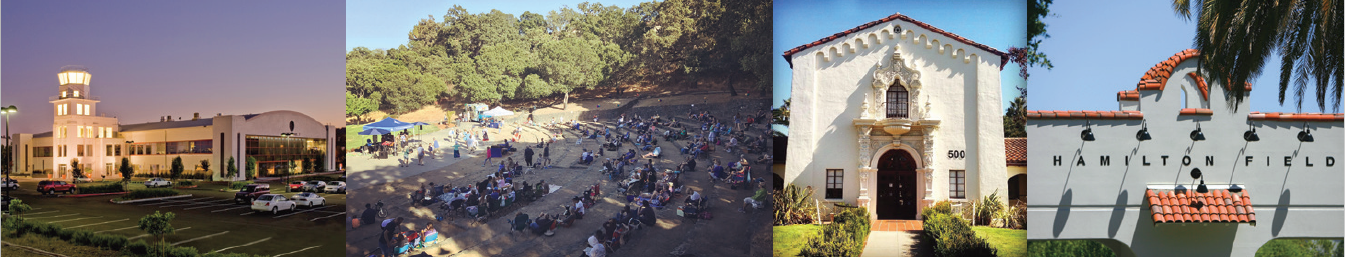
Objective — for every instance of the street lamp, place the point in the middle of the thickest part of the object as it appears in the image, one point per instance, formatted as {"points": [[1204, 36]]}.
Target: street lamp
{"points": [[9, 111]]}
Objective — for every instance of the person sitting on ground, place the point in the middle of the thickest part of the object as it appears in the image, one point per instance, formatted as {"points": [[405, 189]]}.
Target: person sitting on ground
{"points": [[595, 247], [647, 214], [754, 202], [369, 215], [717, 171], [542, 225], [655, 153], [696, 198]]}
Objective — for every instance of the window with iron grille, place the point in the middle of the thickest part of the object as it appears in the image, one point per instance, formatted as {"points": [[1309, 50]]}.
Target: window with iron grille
{"points": [[897, 103], [957, 184], [835, 180]]}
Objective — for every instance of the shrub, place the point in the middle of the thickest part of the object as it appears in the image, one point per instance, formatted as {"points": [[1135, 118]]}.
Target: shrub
{"points": [[148, 193], [794, 205], [186, 183], [138, 248], [986, 209], [114, 242], [65, 234], [1013, 217], [167, 250], [942, 207], [104, 188], [845, 236], [952, 236], [82, 237], [238, 184], [49, 230]]}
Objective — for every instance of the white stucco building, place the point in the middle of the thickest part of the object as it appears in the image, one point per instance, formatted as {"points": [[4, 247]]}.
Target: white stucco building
{"points": [[895, 115], [99, 142], [1126, 178]]}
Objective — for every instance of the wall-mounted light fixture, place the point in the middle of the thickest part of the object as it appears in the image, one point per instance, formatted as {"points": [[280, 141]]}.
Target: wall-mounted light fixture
{"points": [[1143, 134], [1195, 174], [1250, 135], [1305, 135], [1087, 134], [1196, 135], [1196, 202]]}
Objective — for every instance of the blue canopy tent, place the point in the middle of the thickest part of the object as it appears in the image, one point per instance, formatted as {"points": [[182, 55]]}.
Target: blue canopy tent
{"points": [[389, 124], [374, 132]]}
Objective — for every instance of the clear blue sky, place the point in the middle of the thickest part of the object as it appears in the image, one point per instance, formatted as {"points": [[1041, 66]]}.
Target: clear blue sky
{"points": [[385, 24], [998, 24], [156, 58], [1101, 47]]}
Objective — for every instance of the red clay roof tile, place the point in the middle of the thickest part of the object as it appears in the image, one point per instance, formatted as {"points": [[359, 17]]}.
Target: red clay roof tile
{"points": [[1173, 206], [1003, 57], [1084, 115], [1015, 151]]}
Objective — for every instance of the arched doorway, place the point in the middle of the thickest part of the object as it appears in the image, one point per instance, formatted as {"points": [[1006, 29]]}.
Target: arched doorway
{"points": [[1017, 189], [896, 185]]}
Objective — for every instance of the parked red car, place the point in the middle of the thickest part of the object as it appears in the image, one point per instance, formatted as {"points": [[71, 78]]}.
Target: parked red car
{"points": [[51, 186], [296, 186]]}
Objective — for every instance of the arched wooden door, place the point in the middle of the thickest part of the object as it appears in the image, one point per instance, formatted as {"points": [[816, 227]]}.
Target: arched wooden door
{"points": [[896, 186]]}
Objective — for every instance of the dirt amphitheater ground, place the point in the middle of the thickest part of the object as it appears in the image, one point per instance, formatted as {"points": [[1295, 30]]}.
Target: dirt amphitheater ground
{"points": [[730, 233]]}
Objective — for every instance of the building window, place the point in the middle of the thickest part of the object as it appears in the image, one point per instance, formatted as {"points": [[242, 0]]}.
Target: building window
{"points": [[76, 93], [116, 151], [79, 149], [88, 109], [42, 151], [835, 180], [897, 103], [186, 147], [109, 151], [957, 184]]}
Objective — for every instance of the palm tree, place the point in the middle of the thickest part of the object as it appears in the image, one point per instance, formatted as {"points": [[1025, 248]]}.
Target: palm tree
{"points": [[1235, 38]]}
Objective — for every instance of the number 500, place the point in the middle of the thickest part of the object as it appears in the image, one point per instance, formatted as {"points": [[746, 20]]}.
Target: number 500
{"points": [[957, 154]]}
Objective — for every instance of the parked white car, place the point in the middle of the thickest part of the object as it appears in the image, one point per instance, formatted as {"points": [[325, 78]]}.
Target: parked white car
{"points": [[158, 182], [336, 187], [273, 203], [308, 199], [11, 184], [314, 186]]}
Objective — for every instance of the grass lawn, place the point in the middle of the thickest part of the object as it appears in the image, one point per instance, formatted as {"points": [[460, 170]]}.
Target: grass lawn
{"points": [[355, 140], [789, 240], [1009, 242]]}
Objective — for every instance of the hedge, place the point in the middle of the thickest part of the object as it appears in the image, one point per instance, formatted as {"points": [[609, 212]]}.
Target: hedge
{"points": [[148, 193], [106, 241], [942, 207], [239, 184], [845, 236], [952, 236], [105, 188]]}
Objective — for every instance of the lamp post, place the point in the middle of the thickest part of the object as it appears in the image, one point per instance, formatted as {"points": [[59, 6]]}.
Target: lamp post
{"points": [[9, 111]]}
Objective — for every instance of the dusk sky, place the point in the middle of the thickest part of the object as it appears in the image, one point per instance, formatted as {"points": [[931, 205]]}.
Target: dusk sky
{"points": [[149, 59]]}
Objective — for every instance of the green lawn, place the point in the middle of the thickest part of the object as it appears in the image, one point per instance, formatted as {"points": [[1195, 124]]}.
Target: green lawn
{"points": [[1009, 242], [355, 140], [789, 240]]}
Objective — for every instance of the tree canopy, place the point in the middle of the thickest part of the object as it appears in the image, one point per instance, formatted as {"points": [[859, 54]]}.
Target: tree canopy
{"points": [[494, 56]]}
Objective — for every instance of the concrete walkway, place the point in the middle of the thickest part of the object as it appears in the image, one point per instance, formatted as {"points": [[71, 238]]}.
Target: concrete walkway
{"points": [[891, 243]]}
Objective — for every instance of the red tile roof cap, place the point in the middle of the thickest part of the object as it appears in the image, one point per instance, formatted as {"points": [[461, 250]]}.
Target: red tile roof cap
{"points": [[1003, 57]]}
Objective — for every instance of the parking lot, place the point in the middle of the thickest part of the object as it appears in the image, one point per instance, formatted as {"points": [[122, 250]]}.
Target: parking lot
{"points": [[209, 220]]}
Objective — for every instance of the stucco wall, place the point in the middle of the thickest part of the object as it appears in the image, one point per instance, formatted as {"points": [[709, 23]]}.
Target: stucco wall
{"points": [[961, 83], [1095, 201]]}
